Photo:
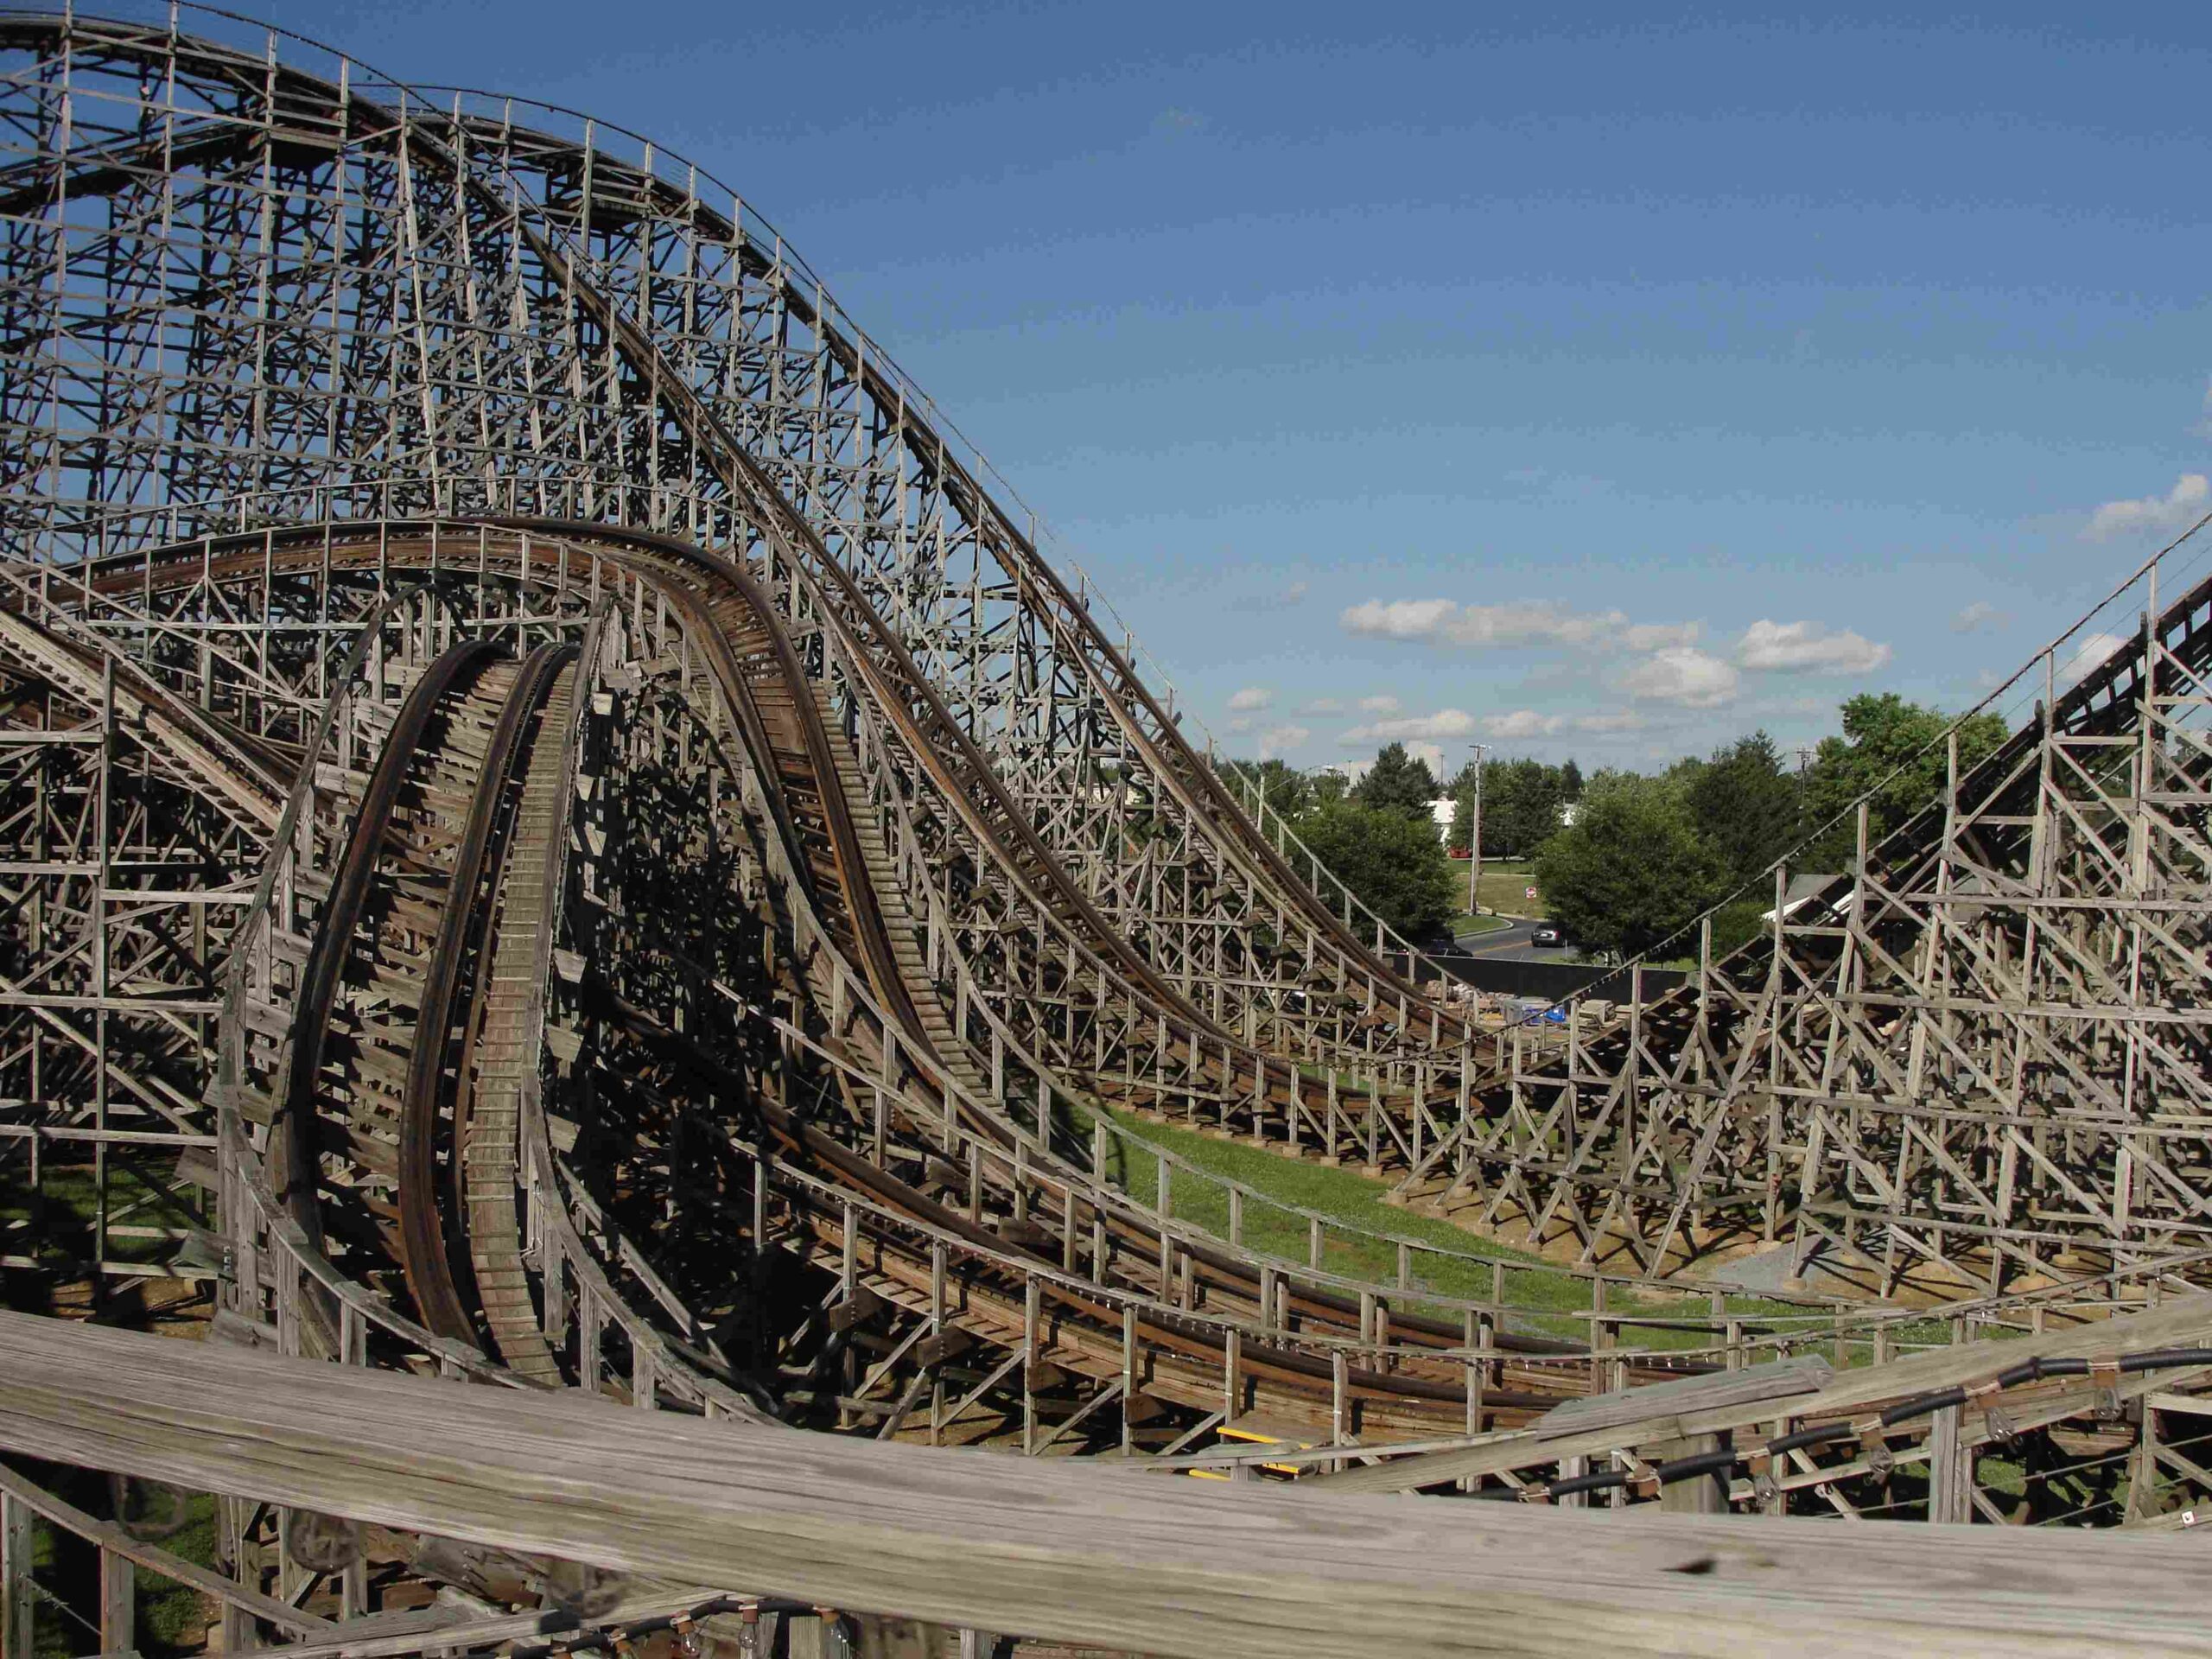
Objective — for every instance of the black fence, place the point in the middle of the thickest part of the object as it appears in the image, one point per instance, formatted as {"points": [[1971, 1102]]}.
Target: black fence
{"points": [[1549, 981]]}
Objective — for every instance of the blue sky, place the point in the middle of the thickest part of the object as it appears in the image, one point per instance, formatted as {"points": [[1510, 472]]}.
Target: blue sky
{"points": [[1573, 378]]}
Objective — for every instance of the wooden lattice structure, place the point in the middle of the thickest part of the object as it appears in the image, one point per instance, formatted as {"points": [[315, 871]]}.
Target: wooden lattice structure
{"points": [[557, 835]]}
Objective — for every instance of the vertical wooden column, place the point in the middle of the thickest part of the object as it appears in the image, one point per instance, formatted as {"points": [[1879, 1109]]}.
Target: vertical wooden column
{"points": [[2143, 1468], [242, 1559], [15, 1616], [118, 1604], [1950, 1471]]}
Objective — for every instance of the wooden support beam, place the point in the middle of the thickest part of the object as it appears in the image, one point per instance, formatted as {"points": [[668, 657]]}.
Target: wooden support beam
{"points": [[16, 1601], [2184, 1322], [22, 1498], [1062, 1551]]}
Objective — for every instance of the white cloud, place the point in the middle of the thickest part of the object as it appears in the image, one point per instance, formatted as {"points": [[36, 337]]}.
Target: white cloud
{"points": [[2182, 506], [1808, 648], [1444, 723], [1445, 622], [1379, 705], [1241, 723], [1682, 674], [1519, 725], [1430, 755], [1978, 616], [1658, 636], [1789, 708], [2088, 651], [1522, 723], [1276, 738], [1607, 725], [1321, 706], [1251, 697]]}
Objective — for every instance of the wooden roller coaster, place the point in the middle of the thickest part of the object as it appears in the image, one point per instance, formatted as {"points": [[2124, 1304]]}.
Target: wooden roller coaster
{"points": [[560, 845]]}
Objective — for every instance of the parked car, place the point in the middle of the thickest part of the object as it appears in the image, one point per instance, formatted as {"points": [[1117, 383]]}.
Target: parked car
{"points": [[1548, 933]]}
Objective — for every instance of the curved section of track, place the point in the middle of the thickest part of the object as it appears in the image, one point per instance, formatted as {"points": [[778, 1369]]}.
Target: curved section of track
{"points": [[1145, 1313]]}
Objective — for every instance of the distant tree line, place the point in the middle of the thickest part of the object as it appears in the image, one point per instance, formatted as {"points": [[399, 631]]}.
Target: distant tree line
{"points": [[1646, 853]]}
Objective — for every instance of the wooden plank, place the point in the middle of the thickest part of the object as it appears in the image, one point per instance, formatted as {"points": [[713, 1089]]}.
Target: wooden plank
{"points": [[1778, 1379], [1061, 1550], [2184, 1322], [388, 1635], [118, 1603], [28, 1499], [17, 1603]]}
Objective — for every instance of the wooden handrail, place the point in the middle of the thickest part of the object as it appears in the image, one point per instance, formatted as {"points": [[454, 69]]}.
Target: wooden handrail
{"points": [[1214, 1569]]}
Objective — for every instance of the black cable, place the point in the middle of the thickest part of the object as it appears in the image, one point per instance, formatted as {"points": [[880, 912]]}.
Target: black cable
{"points": [[1804, 1439], [2166, 1359]]}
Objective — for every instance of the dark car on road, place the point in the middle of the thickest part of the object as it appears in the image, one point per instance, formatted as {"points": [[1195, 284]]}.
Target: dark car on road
{"points": [[1548, 933]]}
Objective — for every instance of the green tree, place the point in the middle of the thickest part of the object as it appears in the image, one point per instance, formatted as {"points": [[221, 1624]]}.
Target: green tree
{"points": [[1746, 806], [1570, 781], [1883, 735], [1398, 782], [1390, 858], [1462, 792], [1520, 806], [1630, 870], [1284, 788], [1327, 787]]}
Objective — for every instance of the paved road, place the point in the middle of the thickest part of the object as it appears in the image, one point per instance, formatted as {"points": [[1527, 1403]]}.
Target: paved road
{"points": [[1512, 943]]}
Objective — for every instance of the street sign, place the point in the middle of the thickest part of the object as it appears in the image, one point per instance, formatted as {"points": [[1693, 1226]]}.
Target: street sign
{"points": [[1527, 893]]}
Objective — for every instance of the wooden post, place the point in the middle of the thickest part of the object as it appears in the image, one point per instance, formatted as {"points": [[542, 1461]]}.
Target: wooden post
{"points": [[1707, 1494], [2142, 1467], [1950, 1471], [16, 1622], [1029, 1312], [241, 1558], [118, 1603], [1340, 1401], [1129, 1372]]}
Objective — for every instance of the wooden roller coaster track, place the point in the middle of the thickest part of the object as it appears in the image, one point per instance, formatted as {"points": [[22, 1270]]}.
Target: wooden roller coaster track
{"points": [[557, 835]]}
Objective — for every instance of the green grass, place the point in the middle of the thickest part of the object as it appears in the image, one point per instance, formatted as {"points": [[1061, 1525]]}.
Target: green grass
{"points": [[56, 1219], [1546, 1298], [172, 1619], [1504, 887], [1462, 924]]}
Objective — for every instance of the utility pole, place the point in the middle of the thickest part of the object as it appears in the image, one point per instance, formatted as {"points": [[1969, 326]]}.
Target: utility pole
{"points": [[1474, 839]]}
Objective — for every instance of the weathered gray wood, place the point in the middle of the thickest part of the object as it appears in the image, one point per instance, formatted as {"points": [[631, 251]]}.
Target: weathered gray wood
{"points": [[389, 1636], [1950, 1478], [15, 1599], [1063, 1550], [2184, 1322], [1803, 1374], [118, 1603], [24, 1498]]}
